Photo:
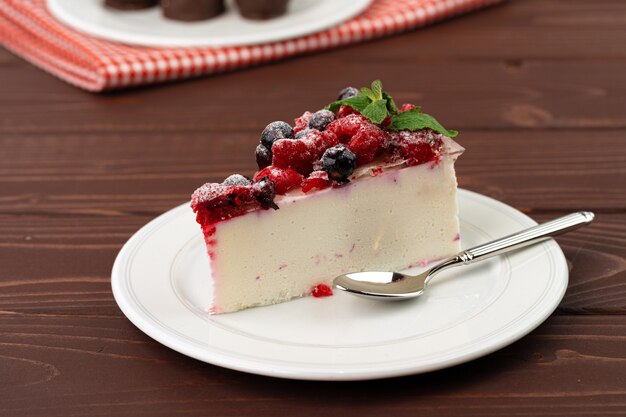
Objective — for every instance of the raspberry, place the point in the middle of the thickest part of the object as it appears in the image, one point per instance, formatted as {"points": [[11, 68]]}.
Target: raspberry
{"points": [[347, 127], [321, 290], [367, 143], [284, 179], [345, 111], [317, 179], [302, 122], [406, 107], [417, 147], [300, 154]]}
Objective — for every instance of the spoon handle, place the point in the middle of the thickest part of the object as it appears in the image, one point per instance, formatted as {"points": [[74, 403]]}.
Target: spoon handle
{"points": [[526, 237]]}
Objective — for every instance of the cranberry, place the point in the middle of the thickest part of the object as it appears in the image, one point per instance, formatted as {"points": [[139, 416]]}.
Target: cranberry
{"points": [[321, 290], [317, 180], [283, 179]]}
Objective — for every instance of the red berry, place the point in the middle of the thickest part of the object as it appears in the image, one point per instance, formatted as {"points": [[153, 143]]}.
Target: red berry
{"points": [[417, 147], [321, 290], [347, 127], [284, 179], [317, 179], [300, 154], [406, 107], [367, 143], [345, 110], [302, 122]]}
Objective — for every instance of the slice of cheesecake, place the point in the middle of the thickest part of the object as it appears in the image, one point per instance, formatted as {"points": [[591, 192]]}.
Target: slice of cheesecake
{"points": [[341, 193]]}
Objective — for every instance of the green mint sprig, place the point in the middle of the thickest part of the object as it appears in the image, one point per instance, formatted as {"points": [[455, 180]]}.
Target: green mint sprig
{"points": [[376, 105], [414, 120]]}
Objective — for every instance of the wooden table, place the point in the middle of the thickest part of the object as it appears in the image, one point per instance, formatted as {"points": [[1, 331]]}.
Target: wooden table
{"points": [[538, 91]]}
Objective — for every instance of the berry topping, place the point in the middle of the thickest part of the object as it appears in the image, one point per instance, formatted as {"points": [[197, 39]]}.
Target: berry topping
{"points": [[347, 127], [303, 133], [347, 93], [302, 122], [214, 202], [367, 143], [264, 192], [237, 179], [407, 107], [339, 162], [417, 147], [321, 119], [344, 111], [300, 154], [317, 180], [321, 290], [275, 131], [263, 156], [283, 179]]}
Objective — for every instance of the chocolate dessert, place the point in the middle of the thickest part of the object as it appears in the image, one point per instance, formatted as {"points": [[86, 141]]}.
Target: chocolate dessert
{"points": [[192, 10], [262, 9], [130, 4]]}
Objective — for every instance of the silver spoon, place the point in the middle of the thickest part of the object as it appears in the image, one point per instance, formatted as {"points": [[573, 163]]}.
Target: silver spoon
{"points": [[397, 286]]}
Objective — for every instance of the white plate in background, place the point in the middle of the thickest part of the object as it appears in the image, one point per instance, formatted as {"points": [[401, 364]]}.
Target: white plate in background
{"points": [[149, 28]]}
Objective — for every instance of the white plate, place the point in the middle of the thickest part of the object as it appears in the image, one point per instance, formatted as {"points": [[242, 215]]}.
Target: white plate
{"points": [[161, 282], [150, 28]]}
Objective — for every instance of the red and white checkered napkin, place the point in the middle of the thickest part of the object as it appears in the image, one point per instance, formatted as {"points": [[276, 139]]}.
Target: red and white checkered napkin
{"points": [[29, 30]]}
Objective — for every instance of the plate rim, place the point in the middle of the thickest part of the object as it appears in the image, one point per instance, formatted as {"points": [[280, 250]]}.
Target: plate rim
{"points": [[304, 372], [58, 10]]}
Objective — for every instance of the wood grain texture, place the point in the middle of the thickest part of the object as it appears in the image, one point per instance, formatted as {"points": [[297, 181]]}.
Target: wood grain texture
{"points": [[538, 90]]}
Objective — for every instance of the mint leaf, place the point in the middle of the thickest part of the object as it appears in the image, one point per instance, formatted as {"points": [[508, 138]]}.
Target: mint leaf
{"points": [[414, 120], [358, 102], [377, 89], [391, 105], [376, 111], [369, 93]]}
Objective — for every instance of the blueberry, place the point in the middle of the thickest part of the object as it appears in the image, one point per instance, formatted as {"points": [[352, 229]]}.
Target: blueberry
{"points": [[237, 179], [347, 93], [321, 119], [265, 192], [303, 133], [339, 162], [263, 156], [275, 131]]}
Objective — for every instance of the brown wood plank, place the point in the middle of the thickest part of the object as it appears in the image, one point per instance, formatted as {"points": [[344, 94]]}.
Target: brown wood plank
{"points": [[585, 94], [93, 365]]}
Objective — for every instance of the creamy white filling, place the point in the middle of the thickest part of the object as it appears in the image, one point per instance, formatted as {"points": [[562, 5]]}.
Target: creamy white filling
{"points": [[386, 222]]}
